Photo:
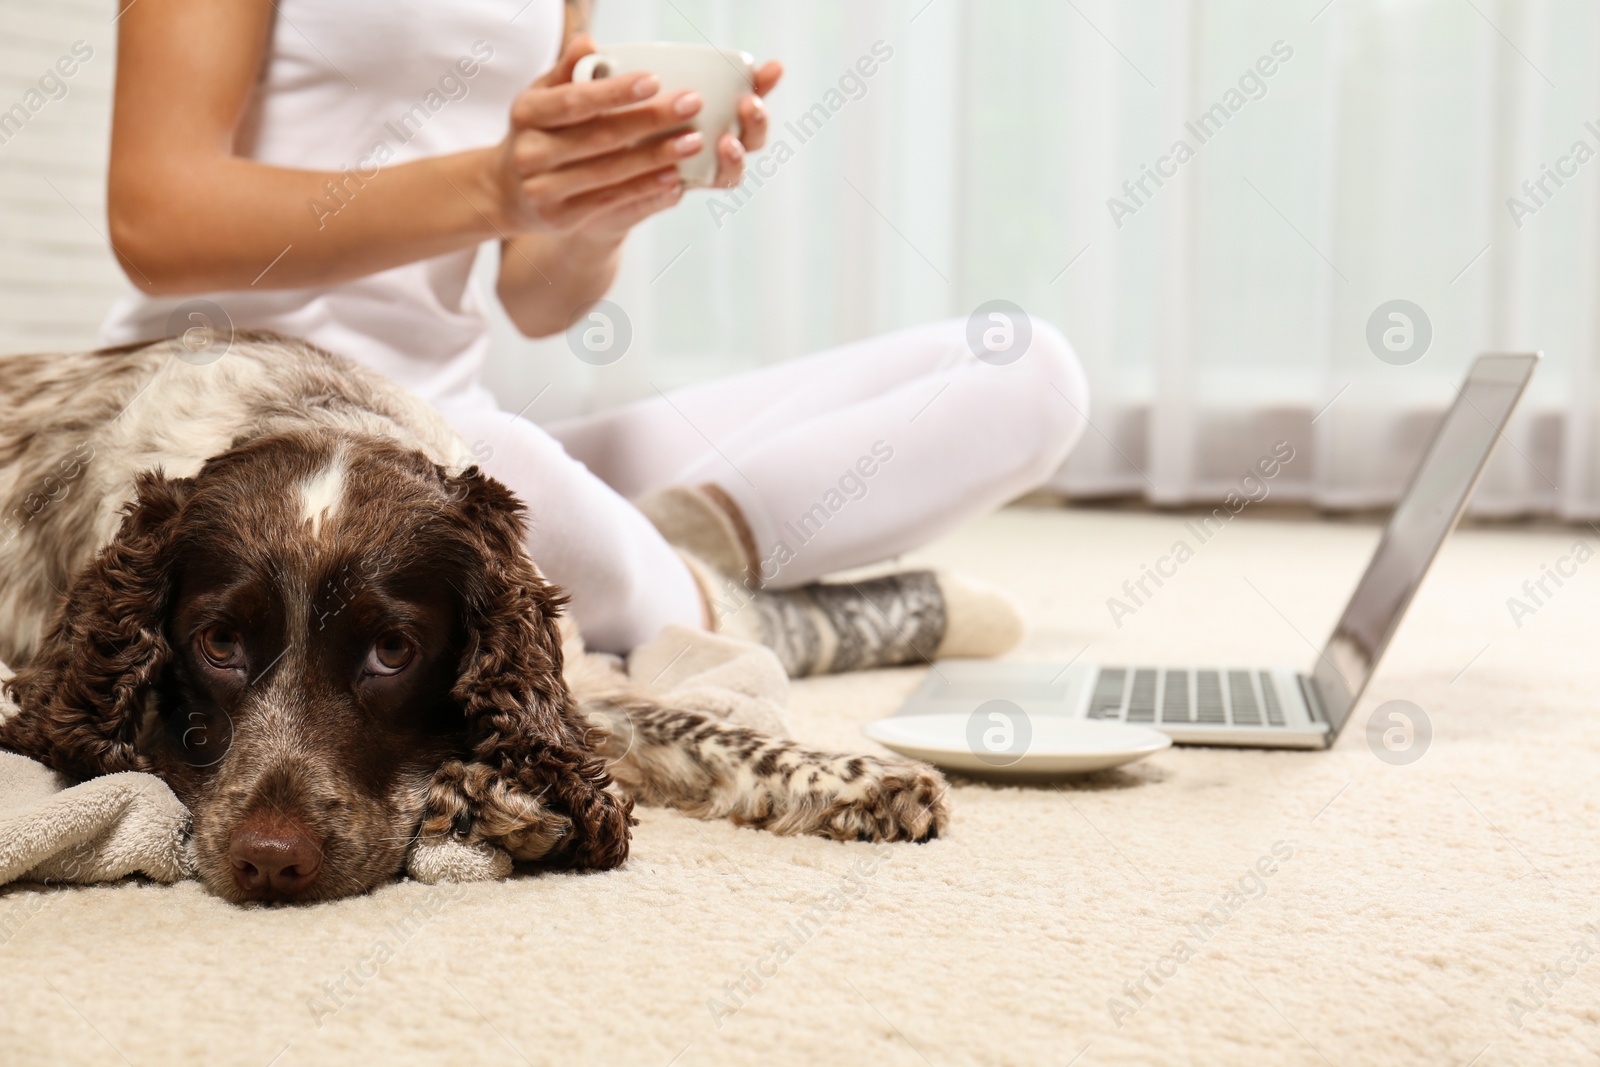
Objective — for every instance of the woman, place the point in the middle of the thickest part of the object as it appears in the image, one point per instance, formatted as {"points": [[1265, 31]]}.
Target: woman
{"points": [[329, 170]]}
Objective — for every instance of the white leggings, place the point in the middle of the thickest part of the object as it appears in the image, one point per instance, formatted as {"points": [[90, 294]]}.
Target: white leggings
{"points": [[847, 457]]}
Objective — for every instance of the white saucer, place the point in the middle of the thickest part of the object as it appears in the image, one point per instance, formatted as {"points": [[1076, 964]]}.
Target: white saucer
{"points": [[1039, 744]]}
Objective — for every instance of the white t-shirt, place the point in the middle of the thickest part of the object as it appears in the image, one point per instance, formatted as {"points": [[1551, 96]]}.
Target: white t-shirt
{"points": [[358, 85]]}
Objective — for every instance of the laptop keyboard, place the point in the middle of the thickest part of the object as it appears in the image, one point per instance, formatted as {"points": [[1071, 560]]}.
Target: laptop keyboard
{"points": [[1213, 698]]}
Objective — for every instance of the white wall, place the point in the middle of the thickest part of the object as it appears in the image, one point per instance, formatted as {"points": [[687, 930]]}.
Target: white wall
{"points": [[57, 275]]}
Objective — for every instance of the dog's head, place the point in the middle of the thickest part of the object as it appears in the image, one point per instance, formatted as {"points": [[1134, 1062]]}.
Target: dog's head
{"points": [[327, 645]]}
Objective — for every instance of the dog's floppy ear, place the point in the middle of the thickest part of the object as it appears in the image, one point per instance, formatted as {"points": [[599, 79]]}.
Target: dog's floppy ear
{"points": [[82, 696], [533, 783]]}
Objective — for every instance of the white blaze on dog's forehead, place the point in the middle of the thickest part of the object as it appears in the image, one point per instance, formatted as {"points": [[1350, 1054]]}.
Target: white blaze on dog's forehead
{"points": [[321, 493]]}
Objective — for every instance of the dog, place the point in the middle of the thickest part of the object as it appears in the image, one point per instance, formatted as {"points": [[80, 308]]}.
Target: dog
{"points": [[275, 579]]}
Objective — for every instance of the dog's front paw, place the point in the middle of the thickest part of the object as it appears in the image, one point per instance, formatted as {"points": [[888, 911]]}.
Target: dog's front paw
{"points": [[880, 800], [475, 804]]}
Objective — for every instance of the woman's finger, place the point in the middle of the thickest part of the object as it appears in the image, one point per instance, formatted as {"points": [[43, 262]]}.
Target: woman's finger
{"points": [[752, 123], [561, 73], [663, 187], [614, 169], [616, 131], [767, 76], [730, 161], [545, 107], [626, 214]]}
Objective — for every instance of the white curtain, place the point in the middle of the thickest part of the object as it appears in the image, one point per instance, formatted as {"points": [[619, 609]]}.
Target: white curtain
{"points": [[1226, 313], [1229, 309]]}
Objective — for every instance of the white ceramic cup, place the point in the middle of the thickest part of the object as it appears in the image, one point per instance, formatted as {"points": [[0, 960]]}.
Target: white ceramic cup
{"points": [[721, 76]]}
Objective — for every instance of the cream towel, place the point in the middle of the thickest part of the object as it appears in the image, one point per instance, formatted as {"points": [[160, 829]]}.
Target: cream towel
{"points": [[99, 831]]}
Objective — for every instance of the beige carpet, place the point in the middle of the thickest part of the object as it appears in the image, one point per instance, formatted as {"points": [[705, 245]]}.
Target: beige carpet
{"points": [[1409, 915]]}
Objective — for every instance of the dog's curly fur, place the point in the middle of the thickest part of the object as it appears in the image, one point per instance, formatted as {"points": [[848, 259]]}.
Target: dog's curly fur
{"points": [[85, 687], [145, 492], [525, 734]]}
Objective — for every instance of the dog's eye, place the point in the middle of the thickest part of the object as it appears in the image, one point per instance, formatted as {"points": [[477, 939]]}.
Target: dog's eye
{"points": [[390, 653], [220, 646]]}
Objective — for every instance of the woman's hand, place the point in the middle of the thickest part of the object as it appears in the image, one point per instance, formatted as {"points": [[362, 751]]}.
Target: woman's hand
{"points": [[570, 164], [731, 151], [571, 156], [574, 179]]}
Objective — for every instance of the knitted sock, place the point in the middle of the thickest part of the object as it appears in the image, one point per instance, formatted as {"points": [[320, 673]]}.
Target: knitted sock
{"points": [[830, 627]]}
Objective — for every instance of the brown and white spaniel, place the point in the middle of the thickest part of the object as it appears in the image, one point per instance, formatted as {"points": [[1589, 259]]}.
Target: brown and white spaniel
{"points": [[273, 579]]}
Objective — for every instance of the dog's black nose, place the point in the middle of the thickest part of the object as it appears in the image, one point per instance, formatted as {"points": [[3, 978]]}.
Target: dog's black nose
{"points": [[274, 857]]}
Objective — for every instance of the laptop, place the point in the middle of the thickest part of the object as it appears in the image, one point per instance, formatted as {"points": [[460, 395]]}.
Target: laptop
{"points": [[1272, 707]]}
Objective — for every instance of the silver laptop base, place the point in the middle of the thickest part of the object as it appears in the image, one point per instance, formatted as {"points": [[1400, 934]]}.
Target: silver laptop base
{"points": [[1271, 707]]}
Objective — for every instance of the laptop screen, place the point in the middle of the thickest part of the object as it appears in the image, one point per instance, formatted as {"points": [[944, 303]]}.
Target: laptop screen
{"points": [[1424, 516]]}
